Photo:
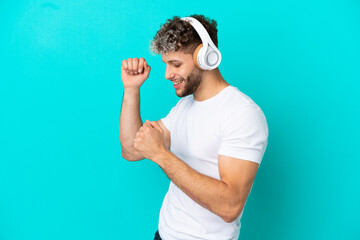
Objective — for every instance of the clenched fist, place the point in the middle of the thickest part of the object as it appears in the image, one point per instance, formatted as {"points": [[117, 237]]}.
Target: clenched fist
{"points": [[134, 72], [149, 140]]}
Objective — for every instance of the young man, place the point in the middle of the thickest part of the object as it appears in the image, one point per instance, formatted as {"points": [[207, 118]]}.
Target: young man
{"points": [[216, 133]]}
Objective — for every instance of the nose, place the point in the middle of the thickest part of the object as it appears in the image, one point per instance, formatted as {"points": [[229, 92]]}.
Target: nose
{"points": [[169, 74]]}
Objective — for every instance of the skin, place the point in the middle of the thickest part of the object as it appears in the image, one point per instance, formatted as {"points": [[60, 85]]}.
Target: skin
{"points": [[151, 140]]}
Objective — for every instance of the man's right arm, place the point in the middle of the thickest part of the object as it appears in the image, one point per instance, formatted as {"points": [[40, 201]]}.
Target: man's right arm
{"points": [[130, 123], [134, 72]]}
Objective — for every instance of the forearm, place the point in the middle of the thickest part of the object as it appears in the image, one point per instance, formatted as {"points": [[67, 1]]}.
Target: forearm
{"points": [[214, 195], [130, 119]]}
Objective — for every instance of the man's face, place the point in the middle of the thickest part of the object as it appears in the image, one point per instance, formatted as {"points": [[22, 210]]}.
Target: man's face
{"points": [[180, 68]]}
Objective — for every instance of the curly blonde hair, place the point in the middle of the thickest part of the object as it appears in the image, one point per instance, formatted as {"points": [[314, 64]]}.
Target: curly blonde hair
{"points": [[178, 35]]}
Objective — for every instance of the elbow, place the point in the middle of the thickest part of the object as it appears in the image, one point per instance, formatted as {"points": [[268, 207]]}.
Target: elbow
{"points": [[229, 219], [232, 214], [125, 156], [128, 157], [131, 157]]}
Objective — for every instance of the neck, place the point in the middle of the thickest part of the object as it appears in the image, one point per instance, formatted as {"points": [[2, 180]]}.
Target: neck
{"points": [[212, 83]]}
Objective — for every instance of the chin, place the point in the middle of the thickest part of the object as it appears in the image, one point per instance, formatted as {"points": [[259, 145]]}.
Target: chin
{"points": [[179, 94]]}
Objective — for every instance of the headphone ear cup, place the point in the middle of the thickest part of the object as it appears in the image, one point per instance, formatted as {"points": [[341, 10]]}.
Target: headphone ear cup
{"points": [[195, 56], [212, 58]]}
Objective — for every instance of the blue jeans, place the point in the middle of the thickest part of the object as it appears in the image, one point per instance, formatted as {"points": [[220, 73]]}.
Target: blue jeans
{"points": [[157, 236]]}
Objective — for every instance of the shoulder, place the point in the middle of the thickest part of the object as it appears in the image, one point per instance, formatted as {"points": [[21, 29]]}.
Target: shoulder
{"points": [[235, 101], [240, 111]]}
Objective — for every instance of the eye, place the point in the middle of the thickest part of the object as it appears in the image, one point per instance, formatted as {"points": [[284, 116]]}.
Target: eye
{"points": [[177, 66]]}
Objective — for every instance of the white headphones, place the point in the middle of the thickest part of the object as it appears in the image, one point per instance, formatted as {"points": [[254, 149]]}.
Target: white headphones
{"points": [[206, 55]]}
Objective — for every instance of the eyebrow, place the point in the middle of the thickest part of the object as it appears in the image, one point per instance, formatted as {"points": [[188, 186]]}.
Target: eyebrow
{"points": [[173, 61]]}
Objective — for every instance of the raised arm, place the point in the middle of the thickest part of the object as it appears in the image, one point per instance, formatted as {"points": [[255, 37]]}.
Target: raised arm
{"points": [[134, 72]]}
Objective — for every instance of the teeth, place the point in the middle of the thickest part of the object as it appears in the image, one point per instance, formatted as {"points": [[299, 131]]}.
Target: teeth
{"points": [[176, 83]]}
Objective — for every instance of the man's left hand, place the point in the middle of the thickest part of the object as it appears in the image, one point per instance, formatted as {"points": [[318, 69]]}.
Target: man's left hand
{"points": [[149, 140]]}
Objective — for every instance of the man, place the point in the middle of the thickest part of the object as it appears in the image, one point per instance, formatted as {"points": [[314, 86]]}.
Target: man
{"points": [[217, 136]]}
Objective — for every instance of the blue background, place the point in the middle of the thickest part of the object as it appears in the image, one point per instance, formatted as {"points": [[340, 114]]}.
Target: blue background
{"points": [[61, 171]]}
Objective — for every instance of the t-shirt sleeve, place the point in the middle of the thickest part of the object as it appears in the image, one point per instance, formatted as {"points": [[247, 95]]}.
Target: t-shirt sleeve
{"points": [[244, 135], [169, 118]]}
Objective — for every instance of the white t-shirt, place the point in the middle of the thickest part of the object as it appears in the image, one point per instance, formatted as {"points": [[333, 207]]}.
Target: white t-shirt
{"points": [[231, 124]]}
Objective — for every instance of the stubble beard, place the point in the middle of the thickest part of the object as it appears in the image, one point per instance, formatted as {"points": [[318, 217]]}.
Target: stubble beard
{"points": [[191, 84]]}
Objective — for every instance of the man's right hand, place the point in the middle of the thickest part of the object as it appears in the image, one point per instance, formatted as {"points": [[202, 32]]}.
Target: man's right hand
{"points": [[134, 72]]}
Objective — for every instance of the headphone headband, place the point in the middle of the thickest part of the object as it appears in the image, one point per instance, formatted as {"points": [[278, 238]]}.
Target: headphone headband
{"points": [[204, 35], [207, 56]]}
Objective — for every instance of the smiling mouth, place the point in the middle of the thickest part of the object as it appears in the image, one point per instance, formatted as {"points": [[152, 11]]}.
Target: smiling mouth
{"points": [[177, 82]]}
